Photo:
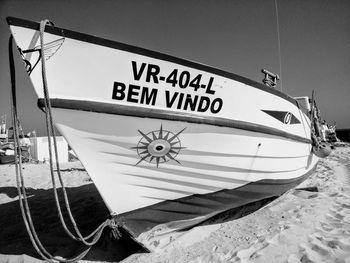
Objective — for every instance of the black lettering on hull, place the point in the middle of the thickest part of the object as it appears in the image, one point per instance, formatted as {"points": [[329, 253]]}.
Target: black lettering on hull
{"points": [[134, 93]]}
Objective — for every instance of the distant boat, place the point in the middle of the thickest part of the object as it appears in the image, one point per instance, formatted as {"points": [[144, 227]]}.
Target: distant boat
{"points": [[168, 142]]}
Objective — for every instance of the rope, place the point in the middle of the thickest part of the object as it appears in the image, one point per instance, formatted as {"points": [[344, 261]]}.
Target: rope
{"points": [[22, 195], [279, 45], [24, 206], [51, 133]]}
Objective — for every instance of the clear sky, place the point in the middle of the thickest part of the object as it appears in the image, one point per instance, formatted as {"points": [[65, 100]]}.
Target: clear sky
{"points": [[239, 36]]}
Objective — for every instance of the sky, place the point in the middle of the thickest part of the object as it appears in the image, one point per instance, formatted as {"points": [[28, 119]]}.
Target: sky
{"points": [[238, 36]]}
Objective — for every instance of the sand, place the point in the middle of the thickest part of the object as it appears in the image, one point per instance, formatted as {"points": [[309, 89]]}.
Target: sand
{"points": [[300, 226]]}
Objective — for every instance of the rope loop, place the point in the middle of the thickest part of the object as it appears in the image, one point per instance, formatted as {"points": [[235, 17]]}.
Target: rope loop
{"points": [[95, 235]]}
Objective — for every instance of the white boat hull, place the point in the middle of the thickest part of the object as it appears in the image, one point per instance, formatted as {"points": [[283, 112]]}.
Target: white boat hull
{"points": [[166, 140], [217, 169]]}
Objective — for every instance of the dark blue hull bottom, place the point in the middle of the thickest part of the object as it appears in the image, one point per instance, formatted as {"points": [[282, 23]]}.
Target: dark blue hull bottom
{"points": [[205, 206]]}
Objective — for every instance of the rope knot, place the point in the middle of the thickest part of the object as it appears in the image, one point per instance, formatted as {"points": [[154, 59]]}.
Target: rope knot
{"points": [[114, 225]]}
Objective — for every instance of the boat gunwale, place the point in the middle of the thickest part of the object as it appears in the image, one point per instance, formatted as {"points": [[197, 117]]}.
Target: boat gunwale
{"points": [[116, 109], [146, 52]]}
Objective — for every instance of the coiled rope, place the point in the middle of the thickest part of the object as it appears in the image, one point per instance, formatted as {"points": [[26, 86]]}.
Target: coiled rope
{"points": [[95, 235]]}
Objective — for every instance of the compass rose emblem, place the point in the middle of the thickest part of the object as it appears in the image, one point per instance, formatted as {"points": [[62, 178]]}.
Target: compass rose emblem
{"points": [[159, 146]]}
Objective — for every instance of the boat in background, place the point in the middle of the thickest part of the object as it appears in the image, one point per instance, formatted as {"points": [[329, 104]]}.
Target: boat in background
{"points": [[168, 142]]}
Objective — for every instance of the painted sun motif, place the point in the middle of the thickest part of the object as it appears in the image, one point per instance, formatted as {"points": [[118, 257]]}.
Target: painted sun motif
{"points": [[159, 146]]}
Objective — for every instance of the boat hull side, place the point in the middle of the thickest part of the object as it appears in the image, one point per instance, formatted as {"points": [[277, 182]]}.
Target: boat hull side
{"points": [[117, 152], [147, 223], [78, 70]]}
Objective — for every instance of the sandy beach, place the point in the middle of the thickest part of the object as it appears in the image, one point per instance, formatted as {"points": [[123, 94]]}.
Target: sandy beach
{"points": [[300, 226]]}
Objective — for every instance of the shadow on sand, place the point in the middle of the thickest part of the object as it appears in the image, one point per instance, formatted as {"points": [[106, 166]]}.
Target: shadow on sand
{"points": [[89, 211], [87, 208]]}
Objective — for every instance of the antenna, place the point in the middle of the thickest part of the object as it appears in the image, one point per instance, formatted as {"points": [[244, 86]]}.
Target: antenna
{"points": [[279, 44]]}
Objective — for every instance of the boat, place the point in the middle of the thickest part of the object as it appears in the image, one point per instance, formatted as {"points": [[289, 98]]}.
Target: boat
{"points": [[168, 142]]}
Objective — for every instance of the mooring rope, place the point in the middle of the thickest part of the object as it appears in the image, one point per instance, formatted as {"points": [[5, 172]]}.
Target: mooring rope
{"points": [[24, 206], [51, 133], [22, 195]]}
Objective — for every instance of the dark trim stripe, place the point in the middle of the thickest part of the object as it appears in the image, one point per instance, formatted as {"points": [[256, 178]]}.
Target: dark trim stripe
{"points": [[214, 154], [206, 205], [110, 108], [164, 189], [145, 52], [197, 175], [174, 182]]}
